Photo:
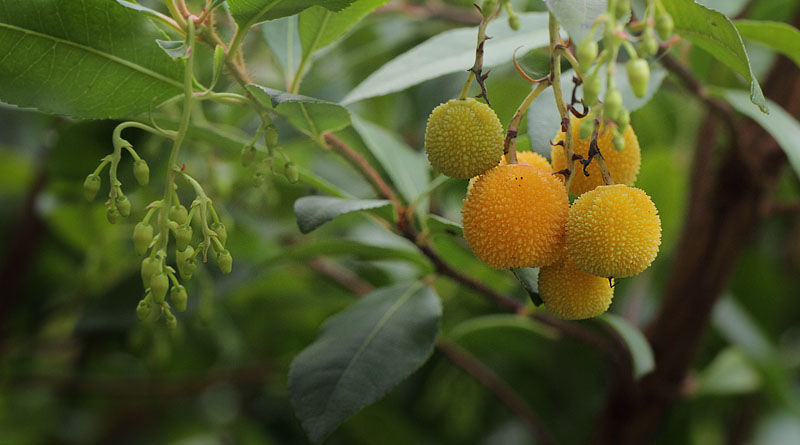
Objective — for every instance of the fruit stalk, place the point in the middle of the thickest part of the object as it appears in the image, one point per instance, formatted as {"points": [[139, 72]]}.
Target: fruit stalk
{"points": [[510, 143], [555, 75]]}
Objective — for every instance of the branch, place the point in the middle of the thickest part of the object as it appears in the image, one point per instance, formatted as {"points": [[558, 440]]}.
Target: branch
{"points": [[499, 388]]}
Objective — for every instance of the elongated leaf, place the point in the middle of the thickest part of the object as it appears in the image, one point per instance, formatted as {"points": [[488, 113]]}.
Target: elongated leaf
{"points": [[714, 32], [782, 37], [478, 326], [780, 124], [360, 250], [309, 115], [641, 353], [314, 211], [319, 27], [247, 13], [529, 279], [361, 354], [727, 7], [577, 16], [409, 170], [729, 373], [437, 223], [175, 49], [86, 59], [450, 52], [544, 120], [284, 41]]}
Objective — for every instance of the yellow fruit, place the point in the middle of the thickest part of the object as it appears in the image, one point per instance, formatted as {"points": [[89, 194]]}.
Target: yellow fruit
{"points": [[514, 216], [571, 293], [523, 157], [622, 164], [464, 138], [613, 231]]}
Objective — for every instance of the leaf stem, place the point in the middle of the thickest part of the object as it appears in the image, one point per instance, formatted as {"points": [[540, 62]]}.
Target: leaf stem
{"points": [[510, 144]]}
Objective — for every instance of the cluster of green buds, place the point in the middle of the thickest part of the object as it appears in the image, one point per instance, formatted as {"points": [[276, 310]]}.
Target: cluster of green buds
{"points": [[267, 164], [590, 58], [490, 7]]}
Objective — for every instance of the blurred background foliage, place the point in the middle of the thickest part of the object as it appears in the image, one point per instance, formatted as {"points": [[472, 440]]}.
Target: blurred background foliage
{"points": [[77, 367]]}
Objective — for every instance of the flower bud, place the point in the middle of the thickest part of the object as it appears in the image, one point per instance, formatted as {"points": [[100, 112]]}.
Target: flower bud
{"points": [[623, 9], [291, 172], [124, 206], [225, 261], [221, 231], [619, 142], [112, 214], [587, 52], [649, 45], [664, 26], [513, 22], [591, 88], [612, 103], [91, 186], [178, 297], [586, 128], [488, 7], [259, 178], [142, 236], [186, 262], [248, 156], [638, 75], [149, 268], [171, 321], [143, 309], [141, 171], [179, 214], [183, 236], [271, 136], [623, 120], [159, 283]]}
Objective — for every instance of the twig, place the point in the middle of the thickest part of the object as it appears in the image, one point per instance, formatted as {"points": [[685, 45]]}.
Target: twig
{"points": [[342, 276], [499, 388]]}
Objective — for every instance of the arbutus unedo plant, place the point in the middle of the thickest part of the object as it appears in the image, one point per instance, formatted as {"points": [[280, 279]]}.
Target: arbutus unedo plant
{"points": [[536, 179]]}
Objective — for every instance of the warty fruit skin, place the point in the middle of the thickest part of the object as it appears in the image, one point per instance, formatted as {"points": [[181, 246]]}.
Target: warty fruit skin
{"points": [[463, 138], [623, 165], [572, 294], [523, 157], [514, 216], [613, 231]]}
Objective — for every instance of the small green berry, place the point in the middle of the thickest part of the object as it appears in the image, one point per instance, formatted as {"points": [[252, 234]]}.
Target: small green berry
{"points": [[664, 26], [159, 284], [123, 205], [638, 75], [178, 297], [179, 214], [142, 236], [513, 22], [183, 236], [91, 186], [225, 261], [141, 171]]}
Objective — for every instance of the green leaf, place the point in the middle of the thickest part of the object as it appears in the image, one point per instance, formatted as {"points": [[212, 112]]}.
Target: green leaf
{"points": [[529, 279], [247, 13], [639, 347], [727, 7], [175, 49], [782, 37], [543, 118], [479, 326], [408, 169], [314, 211], [343, 247], [439, 224], [90, 59], [319, 27], [309, 115], [779, 123], [729, 373], [577, 16], [361, 354], [714, 32], [451, 52], [284, 41]]}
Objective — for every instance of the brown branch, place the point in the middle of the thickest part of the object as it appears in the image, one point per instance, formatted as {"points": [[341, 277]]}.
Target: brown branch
{"points": [[498, 387], [340, 275]]}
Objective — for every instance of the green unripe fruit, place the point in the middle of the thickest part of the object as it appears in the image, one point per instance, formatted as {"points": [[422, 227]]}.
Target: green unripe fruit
{"points": [[171, 321], [586, 128], [488, 7], [291, 172], [664, 26], [179, 214], [587, 52], [143, 310], [623, 9], [638, 75], [150, 267], [159, 284], [186, 262], [271, 136], [591, 88], [248, 156], [259, 178], [619, 142], [183, 236], [91, 186], [649, 45], [112, 214], [221, 231], [225, 261], [612, 103], [124, 206], [141, 171], [513, 22], [142, 236], [623, 120], [178, 297], [463, 138]]}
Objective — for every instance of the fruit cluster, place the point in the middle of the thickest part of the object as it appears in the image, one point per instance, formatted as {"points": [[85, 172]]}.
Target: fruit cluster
{"points": [[519, 215]]}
